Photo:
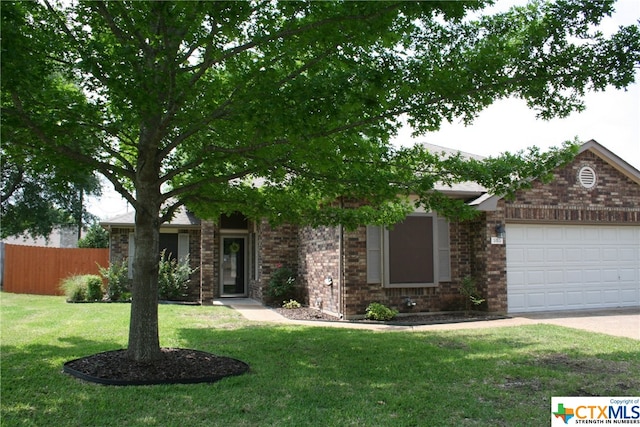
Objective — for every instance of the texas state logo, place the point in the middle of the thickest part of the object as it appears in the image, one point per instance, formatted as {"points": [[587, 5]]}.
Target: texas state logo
{"points": [[595, 410]]}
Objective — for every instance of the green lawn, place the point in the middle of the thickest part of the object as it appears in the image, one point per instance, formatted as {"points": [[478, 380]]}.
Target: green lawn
{"points": [[304, 376]]}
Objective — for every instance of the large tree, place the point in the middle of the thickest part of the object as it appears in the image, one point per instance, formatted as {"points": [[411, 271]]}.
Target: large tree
{"points": [[36, 196], [283, 109]]}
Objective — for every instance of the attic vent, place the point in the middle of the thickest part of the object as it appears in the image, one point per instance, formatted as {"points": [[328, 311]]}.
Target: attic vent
{"points": [[587, 177]]}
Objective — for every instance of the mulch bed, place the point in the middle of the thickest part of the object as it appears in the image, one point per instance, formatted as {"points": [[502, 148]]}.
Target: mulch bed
{"points": [[306, 313], [175, 366]]}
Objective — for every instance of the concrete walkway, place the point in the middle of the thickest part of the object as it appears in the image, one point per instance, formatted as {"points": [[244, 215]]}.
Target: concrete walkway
{"points": [[623, 322]]}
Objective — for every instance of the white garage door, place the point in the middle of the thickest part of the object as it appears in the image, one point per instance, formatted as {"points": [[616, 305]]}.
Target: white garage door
{"points": [[571, 267]]}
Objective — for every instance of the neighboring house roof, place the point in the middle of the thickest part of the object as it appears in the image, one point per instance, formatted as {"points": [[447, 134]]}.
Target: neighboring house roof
{"points": [[438, 149], [489, 202], [182, 219], [466, 189]]}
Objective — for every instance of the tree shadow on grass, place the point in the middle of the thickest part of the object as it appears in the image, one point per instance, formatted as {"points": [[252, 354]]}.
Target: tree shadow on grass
{"points": [[46, 360], [325, 367]]}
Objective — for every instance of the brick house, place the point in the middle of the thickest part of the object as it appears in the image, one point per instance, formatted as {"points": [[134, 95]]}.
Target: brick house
{"points": [[573, 243]]}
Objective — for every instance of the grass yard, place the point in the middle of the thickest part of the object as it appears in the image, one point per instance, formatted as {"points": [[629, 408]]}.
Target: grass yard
{"points": [[303, 376]]}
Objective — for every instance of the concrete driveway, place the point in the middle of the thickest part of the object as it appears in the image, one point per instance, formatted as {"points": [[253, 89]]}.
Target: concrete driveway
{"points": [[622, 322]]}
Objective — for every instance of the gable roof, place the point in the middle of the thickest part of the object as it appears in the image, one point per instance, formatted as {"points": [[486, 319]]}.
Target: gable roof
{"points": [[612, 159], [182, 219], [460, 189], [489, 202]]}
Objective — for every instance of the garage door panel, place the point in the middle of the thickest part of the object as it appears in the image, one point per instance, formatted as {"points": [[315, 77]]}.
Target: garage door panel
{"points": [[552, 234], [516, 278], [591, 275], [630, 296], [574, 233], [610, 254], [516, 255], [573, 254], [534, 255], [555, 276], [611, 296], [628, 236], [592, 297], [575, 299], [517, 302], [535, 277], [591, 254], [534, 235], [555, 299], [628, 254], [552, 267], [610, 276], [536, 300], [628, 275], [573, 276]]}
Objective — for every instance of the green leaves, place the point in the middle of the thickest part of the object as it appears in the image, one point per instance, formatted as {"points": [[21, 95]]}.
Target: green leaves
{"points": [[284, 109]]}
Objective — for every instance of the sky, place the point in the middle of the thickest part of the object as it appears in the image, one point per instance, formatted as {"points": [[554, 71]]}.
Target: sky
{"points": [[612, 118]]}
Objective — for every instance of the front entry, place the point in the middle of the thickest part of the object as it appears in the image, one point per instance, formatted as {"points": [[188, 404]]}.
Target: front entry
{"points": [[233, 266]]}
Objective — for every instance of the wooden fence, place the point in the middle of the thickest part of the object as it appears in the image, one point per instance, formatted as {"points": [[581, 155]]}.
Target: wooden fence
{"points": [[39, 270]]}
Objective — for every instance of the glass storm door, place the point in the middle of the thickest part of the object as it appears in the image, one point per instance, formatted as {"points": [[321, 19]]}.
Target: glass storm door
{"points": [[233, 266]]}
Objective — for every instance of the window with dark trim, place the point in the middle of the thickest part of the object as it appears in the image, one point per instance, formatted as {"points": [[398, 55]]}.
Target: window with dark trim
{"points": [[412, 253]]}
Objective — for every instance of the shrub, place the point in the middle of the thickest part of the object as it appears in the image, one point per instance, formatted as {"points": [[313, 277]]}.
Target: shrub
{"points": [[94, 287], [74, 288], [470, 292], [173, 277], [117, 277], [291, 304], [79, 288], [377, 311], [281, 284]]}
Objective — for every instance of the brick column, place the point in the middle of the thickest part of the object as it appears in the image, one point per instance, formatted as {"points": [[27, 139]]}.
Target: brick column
{"points": [[207, 262], [496, 265]]}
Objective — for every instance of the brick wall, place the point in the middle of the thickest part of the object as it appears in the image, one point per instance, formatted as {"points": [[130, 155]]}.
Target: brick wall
{"points": [[614, 198], [358, 294], [119, 244], [319, 257], [208, 256], [277, 246]]}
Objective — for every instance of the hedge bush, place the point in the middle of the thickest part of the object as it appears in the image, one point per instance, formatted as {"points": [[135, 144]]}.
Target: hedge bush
{"points": [[117, 277], [81, 288], [377, 311]]}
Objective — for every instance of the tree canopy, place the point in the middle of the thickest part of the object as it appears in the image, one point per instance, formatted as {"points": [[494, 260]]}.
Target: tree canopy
{"points": [[37, 197], [279, 109]]}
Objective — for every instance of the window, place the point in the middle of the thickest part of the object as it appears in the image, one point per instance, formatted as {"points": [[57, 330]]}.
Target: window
{"points": [[176, 244], [412, 253]]}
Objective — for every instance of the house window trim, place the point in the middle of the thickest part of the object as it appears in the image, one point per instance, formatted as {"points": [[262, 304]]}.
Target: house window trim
{"points": [[184, 246], [437, 251], [386, 268]]}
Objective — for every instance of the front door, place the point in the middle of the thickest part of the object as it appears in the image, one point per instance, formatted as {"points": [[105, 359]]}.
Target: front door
{"points": [[233, 272]]}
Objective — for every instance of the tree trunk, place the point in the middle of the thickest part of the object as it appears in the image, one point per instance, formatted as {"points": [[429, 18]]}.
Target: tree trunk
{"points": [[144, 341]]}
